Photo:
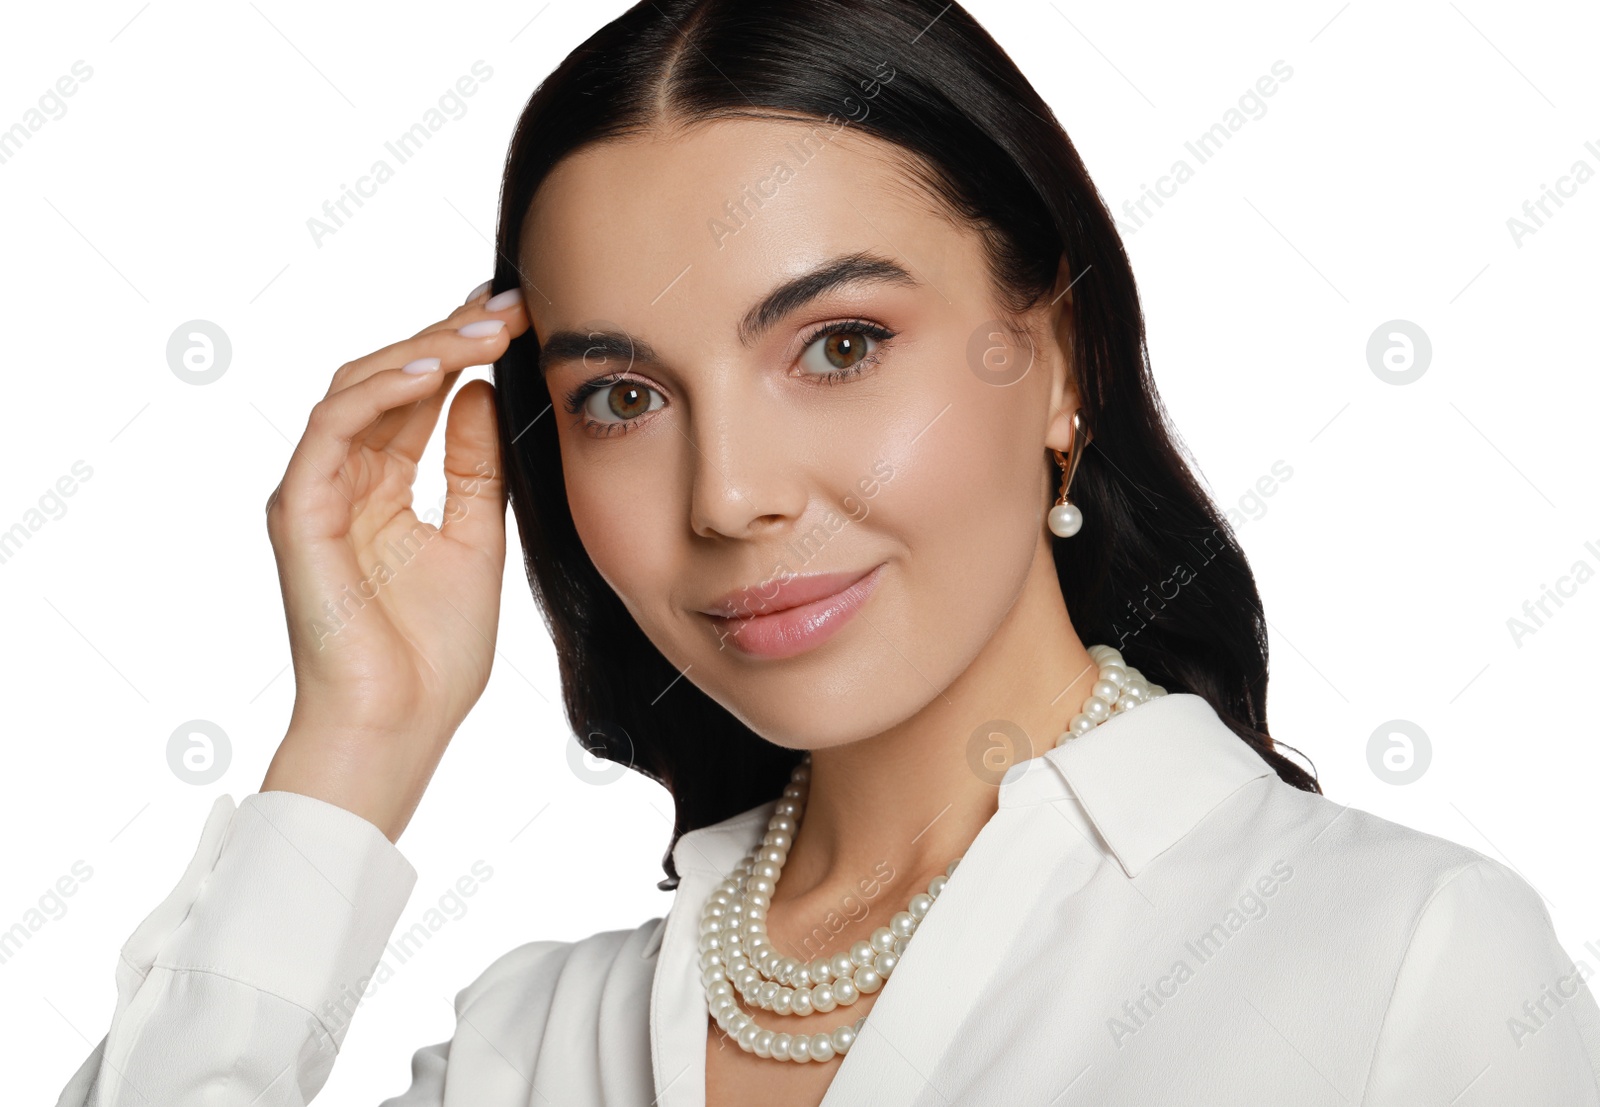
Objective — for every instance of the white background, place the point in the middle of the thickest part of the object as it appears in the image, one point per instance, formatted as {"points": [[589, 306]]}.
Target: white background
{"points": [[178, 184]]}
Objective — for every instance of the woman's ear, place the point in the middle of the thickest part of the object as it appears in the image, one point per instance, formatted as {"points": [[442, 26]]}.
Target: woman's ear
{"points": [[1061, 327]]}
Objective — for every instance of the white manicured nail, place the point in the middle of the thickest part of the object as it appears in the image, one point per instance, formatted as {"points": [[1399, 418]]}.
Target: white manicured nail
{"points": [[421, 365], [503, 300], [482, 328], [476, 292]]}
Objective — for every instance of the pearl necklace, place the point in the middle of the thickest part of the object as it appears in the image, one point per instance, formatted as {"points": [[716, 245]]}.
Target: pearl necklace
{"points": [[737, 956]]}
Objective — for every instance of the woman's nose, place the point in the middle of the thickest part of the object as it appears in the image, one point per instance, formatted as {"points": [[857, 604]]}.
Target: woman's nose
{"points": [[746, 478]]}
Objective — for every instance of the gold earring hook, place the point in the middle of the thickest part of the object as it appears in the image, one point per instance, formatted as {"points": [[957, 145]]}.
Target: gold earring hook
{"points": [[1069, 464]]}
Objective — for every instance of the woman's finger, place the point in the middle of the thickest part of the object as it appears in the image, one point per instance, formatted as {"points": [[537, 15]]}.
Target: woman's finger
{"points": [[474, 510], [316, 492], [511, 312], [406, 430]]}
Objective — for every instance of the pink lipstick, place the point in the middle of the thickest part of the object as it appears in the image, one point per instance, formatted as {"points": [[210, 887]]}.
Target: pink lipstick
{"points": [[803, 613]]}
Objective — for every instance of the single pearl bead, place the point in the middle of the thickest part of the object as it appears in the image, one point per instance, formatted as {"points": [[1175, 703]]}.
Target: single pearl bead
{"points": [[936, 885], [1081, 724], [882, 939], [841, 964], [748, 1036], [862, 953], [867, 979], [919, 905], [780, 1047], [902, 924], [822, 1047], [1097, 709], [1116, 673], [1065, 520], [843, 1038], [822, 998], [782, 1003], [950, 869], [820, 972], [764, 1043], [801, 1002], [800, 1048], [1106, 690], [885, 963], [845, 991]]}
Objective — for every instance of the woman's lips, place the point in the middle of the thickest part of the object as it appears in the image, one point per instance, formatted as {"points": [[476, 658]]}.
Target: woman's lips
{"points": [[796, 629]]}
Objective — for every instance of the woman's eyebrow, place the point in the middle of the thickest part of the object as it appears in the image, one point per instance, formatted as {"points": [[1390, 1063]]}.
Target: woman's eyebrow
{"points": [[787, 297], [798, 291]]}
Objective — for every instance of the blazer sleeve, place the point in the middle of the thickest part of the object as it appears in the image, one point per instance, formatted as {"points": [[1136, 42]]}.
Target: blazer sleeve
{"points": [[1487, 1000], [240, 986]]}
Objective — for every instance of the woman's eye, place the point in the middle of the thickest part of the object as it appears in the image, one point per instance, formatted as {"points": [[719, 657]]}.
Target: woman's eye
{"points": [[622, 401], [842, 350], [610, 406]]}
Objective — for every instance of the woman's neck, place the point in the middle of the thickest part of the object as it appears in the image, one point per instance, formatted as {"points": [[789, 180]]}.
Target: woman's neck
{"points": [[913, 798]]}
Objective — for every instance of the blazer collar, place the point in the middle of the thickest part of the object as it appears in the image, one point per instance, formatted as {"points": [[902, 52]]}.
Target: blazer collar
{"points": [[1144, 778]]}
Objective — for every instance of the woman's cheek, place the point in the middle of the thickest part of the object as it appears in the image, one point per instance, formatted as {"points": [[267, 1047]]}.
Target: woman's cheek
{"points": [[609, 517]]}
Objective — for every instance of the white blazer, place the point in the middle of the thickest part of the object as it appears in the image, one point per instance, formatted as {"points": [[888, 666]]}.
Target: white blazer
{"points": [[1151, 917]]}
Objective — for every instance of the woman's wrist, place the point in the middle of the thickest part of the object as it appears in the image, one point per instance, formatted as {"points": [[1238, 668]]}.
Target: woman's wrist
{"points": [[362, 776]]}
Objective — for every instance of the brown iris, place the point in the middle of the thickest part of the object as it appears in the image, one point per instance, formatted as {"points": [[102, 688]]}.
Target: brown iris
{"points": [[628, 400], [850, 343]]}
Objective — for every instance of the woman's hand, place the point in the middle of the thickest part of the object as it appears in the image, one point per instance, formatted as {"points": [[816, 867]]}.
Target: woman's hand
{"points": [[392, 620]]}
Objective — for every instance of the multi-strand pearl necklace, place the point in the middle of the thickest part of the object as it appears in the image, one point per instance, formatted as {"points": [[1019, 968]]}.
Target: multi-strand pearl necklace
{"points": [[737, 956]]}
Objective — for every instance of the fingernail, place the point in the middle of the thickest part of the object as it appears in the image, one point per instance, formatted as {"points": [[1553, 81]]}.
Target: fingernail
{"points": [[503, 300], [421, 365], [482, 328], [476, 292]]}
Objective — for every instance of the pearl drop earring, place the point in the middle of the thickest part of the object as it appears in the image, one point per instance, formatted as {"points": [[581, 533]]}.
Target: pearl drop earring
{"points": [[1065, 518]]}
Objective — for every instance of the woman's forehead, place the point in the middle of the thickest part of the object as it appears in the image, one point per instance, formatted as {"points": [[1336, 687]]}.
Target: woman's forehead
{"points": [[720, 213]]}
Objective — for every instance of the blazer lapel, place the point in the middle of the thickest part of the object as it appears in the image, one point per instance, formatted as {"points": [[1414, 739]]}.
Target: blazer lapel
{"points": [[679, 1021], [957, 949]]}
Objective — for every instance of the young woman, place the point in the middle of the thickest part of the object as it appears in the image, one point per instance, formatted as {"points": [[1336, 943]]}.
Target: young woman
{"points": [[822, 401]]}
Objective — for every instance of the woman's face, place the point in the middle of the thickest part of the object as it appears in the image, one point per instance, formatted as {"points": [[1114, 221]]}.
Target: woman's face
{"points": [[742, 449]]}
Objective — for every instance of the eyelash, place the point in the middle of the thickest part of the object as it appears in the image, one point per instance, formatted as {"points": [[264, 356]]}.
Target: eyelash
{"points": [[575, 399]]}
